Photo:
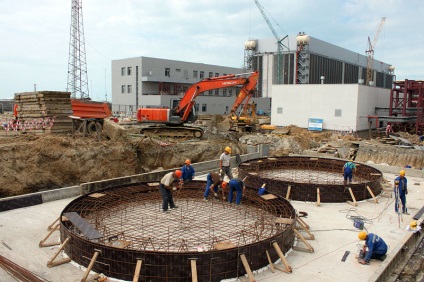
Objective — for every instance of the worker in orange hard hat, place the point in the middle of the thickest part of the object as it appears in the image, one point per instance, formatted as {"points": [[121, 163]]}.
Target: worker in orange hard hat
{"points": [[188, 171], [377, 248], [166, 186], [213, 180], [401, 190], [224, 163]]}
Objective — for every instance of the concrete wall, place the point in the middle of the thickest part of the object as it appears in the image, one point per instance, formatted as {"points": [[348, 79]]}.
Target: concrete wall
{"points": [[355, 103]]}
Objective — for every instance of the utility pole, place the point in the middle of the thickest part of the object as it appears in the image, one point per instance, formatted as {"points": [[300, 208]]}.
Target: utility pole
{"points": [[77, 65]]}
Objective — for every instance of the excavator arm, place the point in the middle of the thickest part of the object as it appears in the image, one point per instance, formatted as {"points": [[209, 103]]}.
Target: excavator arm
{"points": [[185, 106], [245, 92]]}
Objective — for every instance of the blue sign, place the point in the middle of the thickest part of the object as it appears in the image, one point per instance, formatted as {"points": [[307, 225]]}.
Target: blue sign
{"points": [[315, 124]]}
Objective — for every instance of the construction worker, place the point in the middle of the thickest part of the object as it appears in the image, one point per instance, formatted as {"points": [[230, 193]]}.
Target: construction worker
{"points": [[213, 180], [236, 185], [188, 171], [166, 187], [348, 169], [224, 163], [401, 190], [377, 248]]}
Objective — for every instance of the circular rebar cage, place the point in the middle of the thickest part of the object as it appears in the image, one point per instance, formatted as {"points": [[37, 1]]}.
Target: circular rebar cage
{"points": [[131, 226], [308, 178]]}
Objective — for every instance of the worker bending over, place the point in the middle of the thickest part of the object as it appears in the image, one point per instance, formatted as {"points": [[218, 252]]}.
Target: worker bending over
{"points": [[224, 164], [348, 169], [166, 187], [213, 180], [377, 248], [188, 171], [236, 185]]}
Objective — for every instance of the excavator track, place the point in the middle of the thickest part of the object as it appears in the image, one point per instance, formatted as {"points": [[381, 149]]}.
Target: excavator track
{"points": [[172, 131]]}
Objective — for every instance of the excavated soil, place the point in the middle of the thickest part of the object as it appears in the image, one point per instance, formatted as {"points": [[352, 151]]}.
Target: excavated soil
{"points": [[33, 163]]}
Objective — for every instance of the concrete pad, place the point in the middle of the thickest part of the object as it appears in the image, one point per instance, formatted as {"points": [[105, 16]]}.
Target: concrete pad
{"points": [[23, 229]]}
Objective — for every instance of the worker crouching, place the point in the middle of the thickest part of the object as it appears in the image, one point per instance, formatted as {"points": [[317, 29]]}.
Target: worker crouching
{"points": [[166, 187], [236, 185], [377, 248]]}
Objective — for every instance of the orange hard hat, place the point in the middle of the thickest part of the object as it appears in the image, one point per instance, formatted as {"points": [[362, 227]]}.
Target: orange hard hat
{"points": [[224, 185], [187, 161], [178, 173]]}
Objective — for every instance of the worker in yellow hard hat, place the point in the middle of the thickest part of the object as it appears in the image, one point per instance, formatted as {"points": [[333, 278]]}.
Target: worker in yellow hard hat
{"points": [[377, 248], [188, 171], [224, 163], [401, 190]]}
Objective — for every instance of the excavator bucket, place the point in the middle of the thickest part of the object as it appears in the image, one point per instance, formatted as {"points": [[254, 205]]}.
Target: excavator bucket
{"points": [[225, 125]]}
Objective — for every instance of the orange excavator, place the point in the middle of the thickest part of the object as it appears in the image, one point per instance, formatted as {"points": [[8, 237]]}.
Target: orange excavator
{"points": [[183, 112]]}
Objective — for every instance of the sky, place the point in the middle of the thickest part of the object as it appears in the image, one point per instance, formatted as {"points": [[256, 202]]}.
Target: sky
{"points": [[34, 46]]}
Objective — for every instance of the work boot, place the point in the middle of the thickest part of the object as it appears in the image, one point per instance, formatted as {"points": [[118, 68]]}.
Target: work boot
{"points": [[165, 211], [215, 195], [205, 200], [405, 212], [174, 207]]}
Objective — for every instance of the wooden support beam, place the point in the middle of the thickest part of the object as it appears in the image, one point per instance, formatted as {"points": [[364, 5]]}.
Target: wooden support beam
{"points": [[308, 249], [137, 270], [302, 225], [353, 198], [372, 194], [52, 263], [318, 198], [51, 225], [90, 266], [43, 242], [247, 268], [193, 270], [287, 268], [271, 265], [288, 193]]}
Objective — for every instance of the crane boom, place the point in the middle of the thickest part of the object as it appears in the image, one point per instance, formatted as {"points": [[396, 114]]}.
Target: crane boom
{"points": [[370, 51]]}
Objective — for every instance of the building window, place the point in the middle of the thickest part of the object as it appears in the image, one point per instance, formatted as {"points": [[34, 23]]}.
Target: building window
{"points": [[168, 72], [216, 74], [204, 107], [122, 71], [123, 89], [210, 92], [196, 107], [230, 92], [202, 74], [216, 92], [279, 110], [224, 92], [195, 74], [210, 74], [224, 74], [178, 70], [129, 71], [129, 89], [186, 74], [338, 113]]}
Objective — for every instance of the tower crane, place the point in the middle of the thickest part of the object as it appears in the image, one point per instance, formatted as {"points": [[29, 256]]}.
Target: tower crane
{"points": [[370, 52], [280, 45]]}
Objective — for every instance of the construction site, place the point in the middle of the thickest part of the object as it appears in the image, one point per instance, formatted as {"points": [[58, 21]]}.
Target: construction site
{"points": [[81, 186]]}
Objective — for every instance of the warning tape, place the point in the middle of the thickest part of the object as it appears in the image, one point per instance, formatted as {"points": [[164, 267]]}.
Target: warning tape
{"points": [[41, 123]]}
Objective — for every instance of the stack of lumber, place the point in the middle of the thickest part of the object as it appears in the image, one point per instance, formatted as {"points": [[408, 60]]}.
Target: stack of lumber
{"points": [[45, 111]]}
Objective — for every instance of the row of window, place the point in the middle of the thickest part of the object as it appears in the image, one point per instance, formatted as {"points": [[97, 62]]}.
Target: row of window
{"points": [[125, 70], [126, 89], [196, 74]]}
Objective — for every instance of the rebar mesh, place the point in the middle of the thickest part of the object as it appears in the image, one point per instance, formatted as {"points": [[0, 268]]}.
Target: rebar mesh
{"points": [[132, 215]]}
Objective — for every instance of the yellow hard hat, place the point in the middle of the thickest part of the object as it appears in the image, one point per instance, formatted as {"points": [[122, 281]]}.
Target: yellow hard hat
{"points": [[362, 235], [413, 224], [227, 149], [402, 173]]}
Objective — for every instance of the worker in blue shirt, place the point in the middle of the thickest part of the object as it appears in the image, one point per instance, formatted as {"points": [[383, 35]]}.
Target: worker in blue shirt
{"points": [[188, 171], [401, 190], [236, 185], [348, 169], [377, 248]]}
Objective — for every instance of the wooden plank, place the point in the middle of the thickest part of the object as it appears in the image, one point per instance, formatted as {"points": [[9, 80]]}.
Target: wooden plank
{"points": [[318, 198], [372, 194], [224, 245], [288, 193], [137, 270], [193, 270], [121, 244], [96, 195], [269, 197], [247, 267], [271, 265], [419, 214], [284, 220], [86, 228]]}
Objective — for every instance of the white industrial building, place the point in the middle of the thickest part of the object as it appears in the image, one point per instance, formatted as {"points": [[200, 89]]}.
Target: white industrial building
{"points": [[144, 81], [313, 79]]}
